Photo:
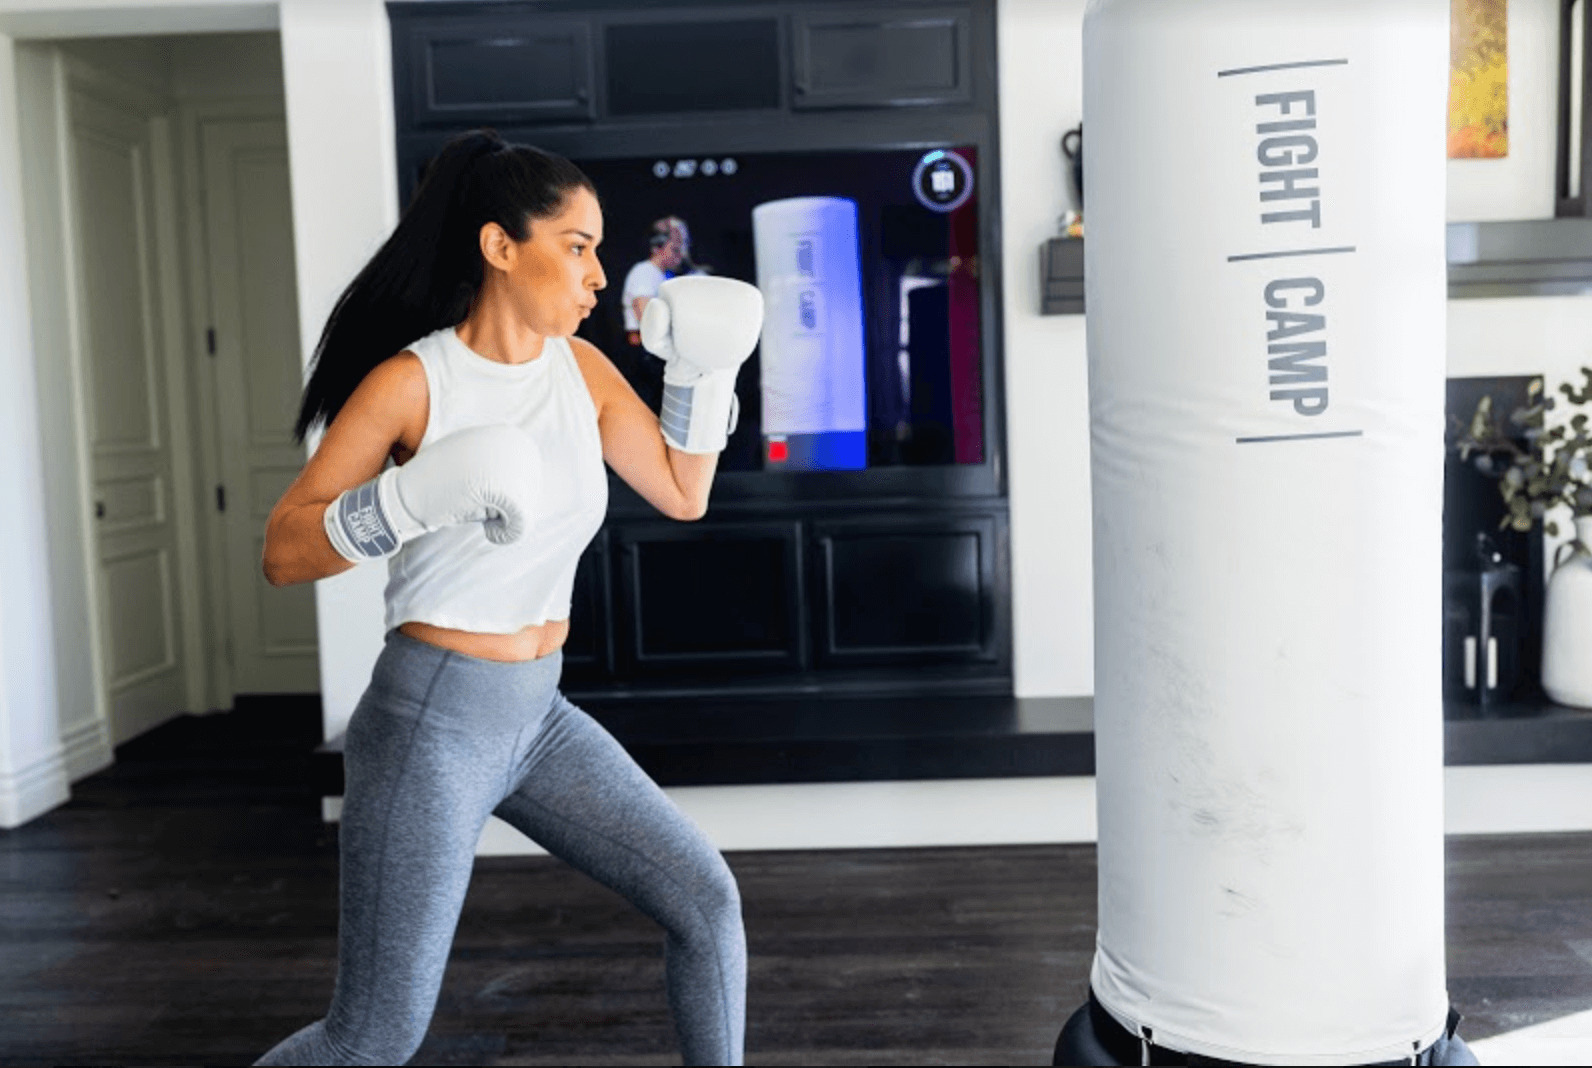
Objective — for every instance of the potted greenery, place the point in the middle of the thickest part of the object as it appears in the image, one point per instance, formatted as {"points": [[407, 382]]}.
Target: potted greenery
{"points": [[1542, 470]]}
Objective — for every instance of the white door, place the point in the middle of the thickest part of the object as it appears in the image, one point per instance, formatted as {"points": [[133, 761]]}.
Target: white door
{"points": [[115, 309], [255, 339]]}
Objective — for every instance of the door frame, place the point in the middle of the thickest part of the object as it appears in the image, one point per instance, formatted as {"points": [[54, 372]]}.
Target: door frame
{"points": [[192, 117], [73, 76]]}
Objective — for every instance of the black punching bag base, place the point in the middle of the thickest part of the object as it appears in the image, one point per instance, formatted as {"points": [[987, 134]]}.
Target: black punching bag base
{"points": [[1093, 1036]]}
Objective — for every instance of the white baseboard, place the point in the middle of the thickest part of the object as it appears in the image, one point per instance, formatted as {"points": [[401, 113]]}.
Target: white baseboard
{"points": [[1501, 799], [86, 749], [33, 790], [1518, 798], [1566, 1040], [862, 815]]}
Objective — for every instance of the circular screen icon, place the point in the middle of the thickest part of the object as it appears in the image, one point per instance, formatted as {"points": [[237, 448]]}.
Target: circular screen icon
{"points": [[729, 166], [942, 180], [661, 169], [710, 167]]}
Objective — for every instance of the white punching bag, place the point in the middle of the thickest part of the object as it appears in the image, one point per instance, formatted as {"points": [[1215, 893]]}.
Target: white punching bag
{"points": [[1266, 299], [809, 267]]}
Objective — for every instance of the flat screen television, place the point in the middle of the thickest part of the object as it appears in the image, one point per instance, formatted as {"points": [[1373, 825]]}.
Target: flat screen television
{"points": [[868, 262]]}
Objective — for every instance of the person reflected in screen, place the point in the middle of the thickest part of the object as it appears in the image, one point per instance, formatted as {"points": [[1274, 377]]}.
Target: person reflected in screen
{"points": [[669, 255]]}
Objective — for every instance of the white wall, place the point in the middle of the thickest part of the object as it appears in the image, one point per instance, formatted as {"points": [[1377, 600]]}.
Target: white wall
{"points": [[81, 714], [333, 60], [337, 71], [32, 769], [126, 18], [1047, 386], [1503, 799], [190, 67]]}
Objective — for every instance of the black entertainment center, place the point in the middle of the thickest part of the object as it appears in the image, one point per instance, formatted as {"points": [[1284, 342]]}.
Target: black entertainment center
{"points": [[852, 624], [865, 556]]}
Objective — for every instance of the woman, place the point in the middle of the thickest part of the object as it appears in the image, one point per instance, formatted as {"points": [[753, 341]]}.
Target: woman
{"points": [[451, 355]]}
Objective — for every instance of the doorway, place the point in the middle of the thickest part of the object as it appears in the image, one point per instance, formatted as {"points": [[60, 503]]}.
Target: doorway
{"points": [[164, 186]]}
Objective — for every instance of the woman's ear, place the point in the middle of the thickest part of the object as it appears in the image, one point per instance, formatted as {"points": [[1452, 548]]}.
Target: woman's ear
{"points": [[497, 248]]}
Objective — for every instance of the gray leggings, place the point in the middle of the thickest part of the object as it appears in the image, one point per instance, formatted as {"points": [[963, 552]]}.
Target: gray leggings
{"points": [[439, 741]]}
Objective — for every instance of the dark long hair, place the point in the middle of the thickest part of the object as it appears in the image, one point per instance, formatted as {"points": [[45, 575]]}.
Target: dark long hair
{"points": [[427, 274]]}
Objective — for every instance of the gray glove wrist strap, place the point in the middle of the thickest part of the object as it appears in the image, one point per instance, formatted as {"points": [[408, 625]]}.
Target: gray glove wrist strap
{"points": [[358, 526]]}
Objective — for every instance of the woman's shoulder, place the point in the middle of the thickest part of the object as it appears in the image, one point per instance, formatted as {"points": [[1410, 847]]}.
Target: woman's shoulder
{"points": [[396, 393], [399, 376], [598, 371]]}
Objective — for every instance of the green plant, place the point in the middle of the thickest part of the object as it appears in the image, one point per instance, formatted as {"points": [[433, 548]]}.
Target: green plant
{"points": [[1540, 468]]}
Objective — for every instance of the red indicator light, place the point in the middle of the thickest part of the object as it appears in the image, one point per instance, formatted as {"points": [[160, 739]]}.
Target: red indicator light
{"points": [[778, 452]]}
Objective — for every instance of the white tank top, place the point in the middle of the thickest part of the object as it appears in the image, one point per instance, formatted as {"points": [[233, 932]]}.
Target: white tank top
{"points": [[454, 577]]}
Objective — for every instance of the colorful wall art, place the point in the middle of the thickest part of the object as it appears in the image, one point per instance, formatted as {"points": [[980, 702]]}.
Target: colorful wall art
{"points": [[1478, 94]]}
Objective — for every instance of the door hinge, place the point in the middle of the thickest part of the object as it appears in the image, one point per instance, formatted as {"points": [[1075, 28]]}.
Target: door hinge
{"points": [[210, 340], [221, 498]]}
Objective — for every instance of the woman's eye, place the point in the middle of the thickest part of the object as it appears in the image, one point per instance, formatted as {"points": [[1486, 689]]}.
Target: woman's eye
{"points": [[578, 249]]}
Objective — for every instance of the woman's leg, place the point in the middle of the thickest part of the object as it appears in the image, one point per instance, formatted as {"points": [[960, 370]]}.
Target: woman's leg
{"points": [[583, 799], [418, 790]]}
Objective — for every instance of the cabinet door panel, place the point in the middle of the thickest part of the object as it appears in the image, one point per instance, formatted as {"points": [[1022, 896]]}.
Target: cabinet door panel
{"points": [[906, 590], [498, 71], [691, 65], [723, 597], [882, 58]]}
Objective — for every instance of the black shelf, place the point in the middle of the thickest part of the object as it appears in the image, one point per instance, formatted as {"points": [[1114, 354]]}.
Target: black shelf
{"points": [[1531, 731], [716, 741], [1530, 257]]}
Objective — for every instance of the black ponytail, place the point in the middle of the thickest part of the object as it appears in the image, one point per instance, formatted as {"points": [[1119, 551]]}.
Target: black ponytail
{"points": [[427, 274]]}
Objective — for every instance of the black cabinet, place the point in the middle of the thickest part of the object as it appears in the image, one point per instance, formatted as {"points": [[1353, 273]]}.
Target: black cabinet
{"points": [[903, 590], [714, 598], [691, 64], [494, 69], [462, 63], [823, 602], [891, 581], [881, 56]]}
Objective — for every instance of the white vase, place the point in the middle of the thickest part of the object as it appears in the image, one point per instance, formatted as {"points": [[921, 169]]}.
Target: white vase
{"points": [[1567, 622]]}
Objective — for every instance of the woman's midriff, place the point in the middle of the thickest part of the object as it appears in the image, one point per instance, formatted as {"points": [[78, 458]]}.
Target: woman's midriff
{"points": [[531, 643]]}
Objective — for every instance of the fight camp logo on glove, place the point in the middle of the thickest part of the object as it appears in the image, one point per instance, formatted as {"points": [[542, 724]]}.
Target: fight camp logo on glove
{"points": [[366, 525]]}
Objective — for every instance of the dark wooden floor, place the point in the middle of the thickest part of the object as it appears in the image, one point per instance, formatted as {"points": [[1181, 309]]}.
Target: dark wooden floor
{"points": [[182, 909]]}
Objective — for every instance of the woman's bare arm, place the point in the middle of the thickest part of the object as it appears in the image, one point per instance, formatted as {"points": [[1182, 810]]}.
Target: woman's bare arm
{"points": [[388, 408], [675, 483]]}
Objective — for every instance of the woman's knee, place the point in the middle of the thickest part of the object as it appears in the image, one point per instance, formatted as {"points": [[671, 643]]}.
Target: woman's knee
{"points": [[715, 894], [323, 1042], [394, 1042]]}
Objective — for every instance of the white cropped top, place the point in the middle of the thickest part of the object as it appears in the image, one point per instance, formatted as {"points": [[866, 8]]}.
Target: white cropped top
{"points": [[455, 577]]}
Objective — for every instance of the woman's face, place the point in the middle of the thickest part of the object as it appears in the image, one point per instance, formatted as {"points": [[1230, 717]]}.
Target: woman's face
{"points": [[553, 275]]}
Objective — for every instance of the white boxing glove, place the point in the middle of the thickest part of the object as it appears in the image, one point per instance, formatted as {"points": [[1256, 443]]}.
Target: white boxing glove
{"points": [[703, 328], [490, 475]]}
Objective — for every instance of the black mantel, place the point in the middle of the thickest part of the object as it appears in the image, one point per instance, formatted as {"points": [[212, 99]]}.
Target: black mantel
{"points": [[784, 740]]}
